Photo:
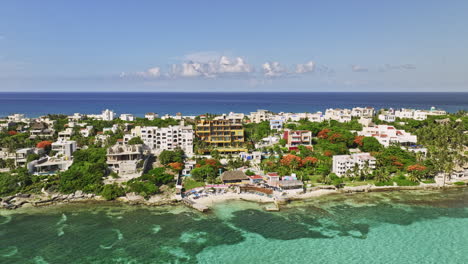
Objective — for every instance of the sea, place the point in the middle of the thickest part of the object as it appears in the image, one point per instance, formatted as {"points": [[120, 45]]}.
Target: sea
{"points": [[384, 227], [37, 104]]}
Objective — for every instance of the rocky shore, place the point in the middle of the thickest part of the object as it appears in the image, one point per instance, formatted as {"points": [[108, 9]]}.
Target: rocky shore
{"points": [[37, 200], [46, 199]]}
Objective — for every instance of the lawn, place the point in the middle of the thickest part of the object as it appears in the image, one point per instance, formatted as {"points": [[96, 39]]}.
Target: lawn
{"points": [[190, 183]]}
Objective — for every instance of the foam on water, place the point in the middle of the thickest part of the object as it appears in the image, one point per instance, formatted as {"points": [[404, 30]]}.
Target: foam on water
{"points": [[40, 260], [8, 251], [119, 237], [6, 220], [155, 229]]}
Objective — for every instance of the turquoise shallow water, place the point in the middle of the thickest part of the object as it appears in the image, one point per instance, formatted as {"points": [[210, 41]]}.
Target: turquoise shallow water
{"points": [[395, 227]]}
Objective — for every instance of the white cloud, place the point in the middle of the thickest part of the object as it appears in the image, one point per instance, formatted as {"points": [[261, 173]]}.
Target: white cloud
{"points": [[154, 72], [215, 68], [305, 68], [389, 67], [273, 69], [358, 68]]}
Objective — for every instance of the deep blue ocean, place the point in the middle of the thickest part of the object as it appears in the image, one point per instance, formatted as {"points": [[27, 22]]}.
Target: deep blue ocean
{"points": [[36, 104]]}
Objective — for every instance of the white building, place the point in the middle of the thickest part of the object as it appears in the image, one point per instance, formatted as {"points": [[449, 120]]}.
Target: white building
{"points": [[387, 135], [125, 159], [365, 121], [418, 114], [235, 118], [344, 163], [151, 116], [16, 118], [76, 117], [166, 138], [277, 123], [340, 115], [108, 115], [254, 157], [260, 116], [86, 132], [66, 134], [112, 129], [127, 117], [387, 116], [64, 147], [362, 112]]}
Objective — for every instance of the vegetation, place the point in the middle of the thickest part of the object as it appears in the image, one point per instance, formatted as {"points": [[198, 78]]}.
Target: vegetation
{"points": [[87, 172]]}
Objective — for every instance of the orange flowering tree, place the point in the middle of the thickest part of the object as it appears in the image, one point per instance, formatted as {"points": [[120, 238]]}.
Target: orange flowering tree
{"points": [[44, 144], [358, 140], [291, 161], [309, 161], [12, 133], [176, 166], [416, 172]]}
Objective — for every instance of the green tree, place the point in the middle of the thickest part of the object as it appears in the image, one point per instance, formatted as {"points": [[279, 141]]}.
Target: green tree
{"points": [[112, 191], [135, 141]]}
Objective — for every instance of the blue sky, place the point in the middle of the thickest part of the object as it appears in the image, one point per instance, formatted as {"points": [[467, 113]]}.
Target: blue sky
{"points": [[234, 45]]}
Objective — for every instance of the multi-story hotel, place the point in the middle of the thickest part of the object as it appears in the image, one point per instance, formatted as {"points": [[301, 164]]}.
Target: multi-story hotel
{"points": [[345, 163], [222, 134]]}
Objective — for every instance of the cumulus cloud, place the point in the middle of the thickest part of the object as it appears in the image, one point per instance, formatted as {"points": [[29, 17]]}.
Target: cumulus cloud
{"points": [[211, 69], [358, 68], [209, 65], [273, 69], [305, 68]]}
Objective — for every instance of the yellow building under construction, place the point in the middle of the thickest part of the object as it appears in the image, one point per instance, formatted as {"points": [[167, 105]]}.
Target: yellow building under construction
{"points": [[222, 134]]}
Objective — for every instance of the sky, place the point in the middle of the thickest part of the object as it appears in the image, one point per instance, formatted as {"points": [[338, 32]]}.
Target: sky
{"points": [[218, 46]]}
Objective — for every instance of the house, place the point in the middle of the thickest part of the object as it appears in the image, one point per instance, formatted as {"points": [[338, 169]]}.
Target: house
{"points": [[254, 179], [64, 147], [340, 115], [387, 135], [17, 118], [387, 115], [86, 132], [260, 116], [418, 114], [234, 118], [236, 176], [112, 129], [108, 115], [360, 161], [49, 165], [290, 184], [254, 157], [276, 123], [272, 178], [76, 117], [295, 138], [66, 134], [188, 167], [125, 159], [365, 121], [362, 112], [127, 117], [151, 116], [40, 130]]}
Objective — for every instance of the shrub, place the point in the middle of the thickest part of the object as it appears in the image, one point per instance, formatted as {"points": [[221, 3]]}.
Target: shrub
{"points": [[459, 183], [112, 191]]}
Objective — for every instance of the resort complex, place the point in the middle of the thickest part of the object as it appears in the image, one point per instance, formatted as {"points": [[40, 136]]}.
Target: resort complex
{"points": [[271, 156]]}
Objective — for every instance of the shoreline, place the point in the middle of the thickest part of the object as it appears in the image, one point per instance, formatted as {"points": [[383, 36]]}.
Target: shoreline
{"points": [[202, 204]]}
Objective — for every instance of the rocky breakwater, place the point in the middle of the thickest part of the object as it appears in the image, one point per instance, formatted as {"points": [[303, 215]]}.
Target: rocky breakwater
{"points": [[22, 200]]}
